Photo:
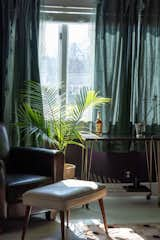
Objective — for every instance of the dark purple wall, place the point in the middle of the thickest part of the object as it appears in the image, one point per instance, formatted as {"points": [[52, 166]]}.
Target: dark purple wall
{"points": [[112, 165]]}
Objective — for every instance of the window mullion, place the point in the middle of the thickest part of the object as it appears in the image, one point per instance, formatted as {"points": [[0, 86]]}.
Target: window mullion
{"points": [[63, 61]]}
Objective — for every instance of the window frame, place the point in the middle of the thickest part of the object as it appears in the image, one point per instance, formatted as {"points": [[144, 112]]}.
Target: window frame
{"points": [[69, 10], [64, 12]]}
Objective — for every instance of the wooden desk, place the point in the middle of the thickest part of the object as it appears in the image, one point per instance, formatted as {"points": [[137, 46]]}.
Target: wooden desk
{"points": [[156, 152], [152, 148]]}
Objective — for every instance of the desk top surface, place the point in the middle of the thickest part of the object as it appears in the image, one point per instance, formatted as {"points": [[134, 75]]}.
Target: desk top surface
{"points": [[89, 136]]}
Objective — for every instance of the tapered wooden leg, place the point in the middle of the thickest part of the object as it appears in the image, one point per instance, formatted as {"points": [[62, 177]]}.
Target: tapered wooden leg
{"points": [[26, 220], [68, 216], [101, 204], [62, 217]]}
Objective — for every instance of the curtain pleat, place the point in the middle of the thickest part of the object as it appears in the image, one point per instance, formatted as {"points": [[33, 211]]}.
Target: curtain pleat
{"points": [[20, 22], [127, 64]]}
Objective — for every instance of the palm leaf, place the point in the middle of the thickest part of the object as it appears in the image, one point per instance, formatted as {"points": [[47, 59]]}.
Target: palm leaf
{"points": [[86, 99], [51, 123]]}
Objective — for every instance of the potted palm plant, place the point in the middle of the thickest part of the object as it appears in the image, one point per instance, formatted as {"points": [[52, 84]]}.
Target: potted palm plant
{"points": [[53, 122]]}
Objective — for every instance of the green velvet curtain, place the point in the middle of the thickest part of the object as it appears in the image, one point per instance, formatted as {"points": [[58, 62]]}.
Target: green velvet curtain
{"points": [[19, 22], [128, 64]]}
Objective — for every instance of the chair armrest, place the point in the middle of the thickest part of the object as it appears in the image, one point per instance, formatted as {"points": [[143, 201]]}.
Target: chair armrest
{"points": [[33, 160]]}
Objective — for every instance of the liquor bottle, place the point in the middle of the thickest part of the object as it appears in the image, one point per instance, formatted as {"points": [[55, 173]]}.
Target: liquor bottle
{"points": [[99, 124]]}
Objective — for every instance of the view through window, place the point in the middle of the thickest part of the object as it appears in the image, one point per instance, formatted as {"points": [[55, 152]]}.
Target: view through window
{"points": [[66, 55], [80, 57]]}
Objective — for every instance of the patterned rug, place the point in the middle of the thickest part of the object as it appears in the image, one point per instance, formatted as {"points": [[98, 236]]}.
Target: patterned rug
{"points": [[117, 232], [40, 229]]}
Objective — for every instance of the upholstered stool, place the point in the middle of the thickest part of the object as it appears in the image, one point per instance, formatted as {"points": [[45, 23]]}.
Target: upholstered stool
{"points": [[63, 196]]}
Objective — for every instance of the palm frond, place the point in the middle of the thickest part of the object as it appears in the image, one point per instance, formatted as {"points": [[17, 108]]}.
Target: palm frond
{"points": [[86, 99], [32, 94], [51, 123]]}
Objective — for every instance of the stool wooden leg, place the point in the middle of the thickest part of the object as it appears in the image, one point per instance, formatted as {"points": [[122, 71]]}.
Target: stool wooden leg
{"points": [[26, 220], [68, 216], [62, 217], [101, 204]]}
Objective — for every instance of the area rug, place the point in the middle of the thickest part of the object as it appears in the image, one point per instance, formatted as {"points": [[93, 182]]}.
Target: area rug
{"points": [[117, 232]]}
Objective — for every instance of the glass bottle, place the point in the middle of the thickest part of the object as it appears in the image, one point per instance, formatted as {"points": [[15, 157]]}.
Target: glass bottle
{"points": [[99, 124]]}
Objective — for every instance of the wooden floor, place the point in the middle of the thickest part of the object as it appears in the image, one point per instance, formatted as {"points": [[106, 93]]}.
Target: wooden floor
{"points": [[120, 210]]}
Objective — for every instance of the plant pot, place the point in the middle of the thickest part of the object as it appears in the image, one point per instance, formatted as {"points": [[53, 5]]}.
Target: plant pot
{"points": [[69, 171]]}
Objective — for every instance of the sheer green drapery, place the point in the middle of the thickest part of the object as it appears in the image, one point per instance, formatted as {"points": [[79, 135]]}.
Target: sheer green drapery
{"points": [[5, 14], [127, 64], [19, 60]]}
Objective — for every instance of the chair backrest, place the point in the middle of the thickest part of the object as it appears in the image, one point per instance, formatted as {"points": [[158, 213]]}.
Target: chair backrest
{"points": [[4, 142]]}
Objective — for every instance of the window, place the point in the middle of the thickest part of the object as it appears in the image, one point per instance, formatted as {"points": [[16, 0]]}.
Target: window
{"points": [[66, 49]]}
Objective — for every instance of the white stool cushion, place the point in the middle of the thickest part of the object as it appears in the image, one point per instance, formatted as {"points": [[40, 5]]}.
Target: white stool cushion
{"points": [[65, 194]]}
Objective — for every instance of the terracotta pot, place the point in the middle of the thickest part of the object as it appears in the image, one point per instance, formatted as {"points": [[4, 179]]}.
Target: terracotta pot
{"points": [[69, 171]]}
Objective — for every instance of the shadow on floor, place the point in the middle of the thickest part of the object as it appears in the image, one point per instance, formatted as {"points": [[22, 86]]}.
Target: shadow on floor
{"points": [[38, 229]]}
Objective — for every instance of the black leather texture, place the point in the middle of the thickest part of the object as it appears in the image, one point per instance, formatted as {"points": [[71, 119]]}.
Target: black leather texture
{"points": [[15, 180], [30, 160], [16, 185], [24, 168]]}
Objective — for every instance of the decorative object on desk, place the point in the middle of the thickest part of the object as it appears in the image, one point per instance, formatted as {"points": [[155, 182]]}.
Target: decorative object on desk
{"points": [[140, 129], [55, 123], [99, 124]]}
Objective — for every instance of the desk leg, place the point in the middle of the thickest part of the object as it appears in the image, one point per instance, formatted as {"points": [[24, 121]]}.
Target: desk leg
{"points": [[158, 170], [84, 165], [83, 162], [90, 160], [157, 165], [86, 160], [149, 152]]}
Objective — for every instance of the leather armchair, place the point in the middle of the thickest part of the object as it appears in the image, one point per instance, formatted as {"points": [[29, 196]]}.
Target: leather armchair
{"points": [[24, 168]]}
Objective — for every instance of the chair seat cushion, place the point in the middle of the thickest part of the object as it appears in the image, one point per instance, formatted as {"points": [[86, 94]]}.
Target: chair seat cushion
{"points": [[14, 180], [65, 194], [17, 184]]}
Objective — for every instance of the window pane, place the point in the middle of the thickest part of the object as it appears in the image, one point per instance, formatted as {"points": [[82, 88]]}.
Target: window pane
{"points": [[79, 69], [74, 44], [48, 54]]}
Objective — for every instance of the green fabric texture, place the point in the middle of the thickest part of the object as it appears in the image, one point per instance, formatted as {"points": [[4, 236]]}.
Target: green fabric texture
{"points": [[4, 41], [127, 64], [20, 59]]}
